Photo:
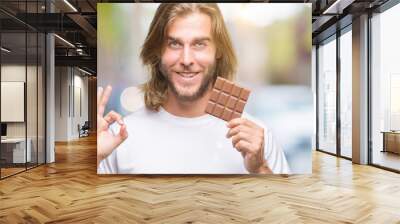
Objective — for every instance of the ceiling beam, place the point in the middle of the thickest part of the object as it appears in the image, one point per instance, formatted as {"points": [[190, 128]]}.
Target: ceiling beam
{"points": [[337, 6], [84, 24], [320, 22]]}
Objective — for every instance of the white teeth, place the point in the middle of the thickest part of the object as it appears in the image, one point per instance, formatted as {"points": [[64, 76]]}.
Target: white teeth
{"points": [[187, 74]]}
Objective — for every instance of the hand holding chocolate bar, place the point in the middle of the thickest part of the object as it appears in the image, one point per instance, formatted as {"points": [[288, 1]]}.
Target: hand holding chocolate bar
{"points": [[248, 138], [227, 102], [107, 141]]}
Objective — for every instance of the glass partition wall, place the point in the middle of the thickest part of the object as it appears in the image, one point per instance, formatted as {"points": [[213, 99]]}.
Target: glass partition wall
{"points": [[346, 92], [327, 95], [22, 98], [385, 89], [334, 110]]}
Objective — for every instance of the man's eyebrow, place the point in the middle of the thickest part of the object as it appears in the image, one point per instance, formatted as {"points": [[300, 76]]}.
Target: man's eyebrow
{"points": [[202, 39], [195, 39], [173, 38]]}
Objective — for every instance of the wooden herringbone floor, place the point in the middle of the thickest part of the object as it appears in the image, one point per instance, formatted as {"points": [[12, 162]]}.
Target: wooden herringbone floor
{"points": [[70, 191]]}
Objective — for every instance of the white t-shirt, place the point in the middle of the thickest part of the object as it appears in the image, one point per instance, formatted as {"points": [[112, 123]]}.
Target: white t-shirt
{"points": [[161, 143]]}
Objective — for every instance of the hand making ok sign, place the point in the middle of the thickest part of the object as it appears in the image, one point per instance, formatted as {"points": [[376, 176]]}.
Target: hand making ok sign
{"points": [[106, 140]]}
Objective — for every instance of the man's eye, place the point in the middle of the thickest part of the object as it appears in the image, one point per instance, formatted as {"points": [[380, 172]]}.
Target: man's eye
{"points": [[174, 44], [199, 45]]}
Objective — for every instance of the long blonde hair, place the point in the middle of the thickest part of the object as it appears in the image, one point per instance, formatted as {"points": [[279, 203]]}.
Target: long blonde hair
{"points": [[155, 89]]}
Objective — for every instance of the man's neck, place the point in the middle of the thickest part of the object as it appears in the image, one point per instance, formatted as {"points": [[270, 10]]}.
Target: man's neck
{"points": [[181, 108]]}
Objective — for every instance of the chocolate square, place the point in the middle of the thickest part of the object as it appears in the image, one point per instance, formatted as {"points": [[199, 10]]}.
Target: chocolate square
{"points": [[240, 106], [210, 107], [236, 91], [218, 109], [235, 115], [231, 102], [226, 115], [223, 98], [218, 84], [227, 87], [214, 95], [244, 94]]}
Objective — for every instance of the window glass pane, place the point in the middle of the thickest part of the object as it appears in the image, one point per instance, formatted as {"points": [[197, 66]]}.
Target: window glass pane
{"points": [[386, 89], [346, 93], [327, 96], [314, 91]]}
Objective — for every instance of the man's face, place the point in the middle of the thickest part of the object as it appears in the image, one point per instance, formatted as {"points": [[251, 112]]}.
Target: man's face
{"points": [[188, 58]]}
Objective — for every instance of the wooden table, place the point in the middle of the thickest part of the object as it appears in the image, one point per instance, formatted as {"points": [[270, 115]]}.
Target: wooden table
{"points": [[391, 141], [13, 150]]}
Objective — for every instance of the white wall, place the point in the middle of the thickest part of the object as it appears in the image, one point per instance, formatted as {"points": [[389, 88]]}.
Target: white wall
{"points": [[62, 80], [80, 109], [71, 93]]}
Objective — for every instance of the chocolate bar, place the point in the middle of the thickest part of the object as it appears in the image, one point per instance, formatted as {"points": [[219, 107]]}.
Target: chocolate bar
{"points": [[227, 100]]}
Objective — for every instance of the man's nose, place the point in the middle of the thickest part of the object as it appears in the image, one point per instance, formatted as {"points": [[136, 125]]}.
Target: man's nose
{"points": [[187, 57]]}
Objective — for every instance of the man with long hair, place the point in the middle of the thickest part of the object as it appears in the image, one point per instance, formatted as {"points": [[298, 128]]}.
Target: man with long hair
{"points": [[187, 47]]}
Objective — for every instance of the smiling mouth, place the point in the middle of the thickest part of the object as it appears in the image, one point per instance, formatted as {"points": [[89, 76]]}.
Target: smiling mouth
{"points": [[187, 74]]}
